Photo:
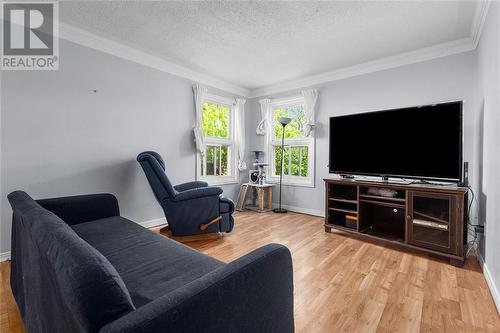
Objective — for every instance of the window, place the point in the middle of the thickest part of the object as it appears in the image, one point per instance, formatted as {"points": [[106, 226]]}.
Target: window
{"points": [[217, 165], [298, 158]]}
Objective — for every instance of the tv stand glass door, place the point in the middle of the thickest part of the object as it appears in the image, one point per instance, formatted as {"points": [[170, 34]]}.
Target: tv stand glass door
{"points": [[429, 221]]}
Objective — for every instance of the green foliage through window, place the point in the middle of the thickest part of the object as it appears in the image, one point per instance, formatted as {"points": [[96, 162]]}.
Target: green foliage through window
{"points": [[295, 160], [216, 161], [215, 120], [294, 129]]}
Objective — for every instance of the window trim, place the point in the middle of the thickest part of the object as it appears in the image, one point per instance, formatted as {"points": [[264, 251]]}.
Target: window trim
{"points": [[232, 178], [271, 142]]}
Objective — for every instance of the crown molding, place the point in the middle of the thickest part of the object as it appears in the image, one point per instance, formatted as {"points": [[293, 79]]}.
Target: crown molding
{"points": [[402, 59], [480, 15], [85, 38]]}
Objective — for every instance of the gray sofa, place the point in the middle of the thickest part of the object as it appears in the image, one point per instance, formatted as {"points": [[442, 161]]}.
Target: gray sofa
{"points": [[78, 266]]}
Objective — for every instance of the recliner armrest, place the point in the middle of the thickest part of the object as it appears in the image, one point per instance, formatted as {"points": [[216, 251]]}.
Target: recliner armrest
{"points": [[226, 205], [251, 294], [82, 208], [198, 193], [190, 185]]}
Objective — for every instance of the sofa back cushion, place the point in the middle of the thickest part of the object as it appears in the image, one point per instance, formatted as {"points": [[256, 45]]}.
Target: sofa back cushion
{"points": [[67, 284]]}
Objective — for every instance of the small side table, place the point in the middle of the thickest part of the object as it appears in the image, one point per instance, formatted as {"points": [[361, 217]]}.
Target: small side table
{"points": [[258, 193]]}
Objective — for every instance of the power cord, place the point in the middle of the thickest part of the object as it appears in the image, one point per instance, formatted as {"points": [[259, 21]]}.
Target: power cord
{"points": [[473, 245], [470, 207]]}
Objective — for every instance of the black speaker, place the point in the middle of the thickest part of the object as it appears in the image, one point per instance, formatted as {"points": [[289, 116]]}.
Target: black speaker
{"points": [[465, 176]]}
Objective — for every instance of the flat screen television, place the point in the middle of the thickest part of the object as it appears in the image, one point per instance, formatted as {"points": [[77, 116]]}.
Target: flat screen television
{"points": [[422, 142]]}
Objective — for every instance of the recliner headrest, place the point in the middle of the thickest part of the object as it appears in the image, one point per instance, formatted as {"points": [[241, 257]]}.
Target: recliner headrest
{"points": [[148, 154]]}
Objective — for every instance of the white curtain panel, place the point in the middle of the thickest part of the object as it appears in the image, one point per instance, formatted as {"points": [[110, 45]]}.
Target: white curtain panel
{"points": [[199, 93], [310, 99], [239, 113], [265, 111]]}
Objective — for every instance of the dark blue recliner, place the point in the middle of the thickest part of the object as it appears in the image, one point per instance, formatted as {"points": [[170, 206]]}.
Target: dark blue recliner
{"points": [[192, 208]]}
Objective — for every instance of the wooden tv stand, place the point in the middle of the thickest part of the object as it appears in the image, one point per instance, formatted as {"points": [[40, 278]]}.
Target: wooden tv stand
{"points": [[424, 217]]}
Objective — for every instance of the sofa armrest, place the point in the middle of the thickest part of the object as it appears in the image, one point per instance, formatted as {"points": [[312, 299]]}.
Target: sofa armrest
{"points": [[198, 193], [190, 185], [82, 208], [251, 294]]}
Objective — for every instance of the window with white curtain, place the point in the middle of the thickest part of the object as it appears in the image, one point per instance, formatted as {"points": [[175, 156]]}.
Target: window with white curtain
{"points": [[217, 163], [298, 166]]}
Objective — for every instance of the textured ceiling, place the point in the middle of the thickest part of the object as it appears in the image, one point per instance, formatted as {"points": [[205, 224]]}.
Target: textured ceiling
{"points": [[256, 44]]}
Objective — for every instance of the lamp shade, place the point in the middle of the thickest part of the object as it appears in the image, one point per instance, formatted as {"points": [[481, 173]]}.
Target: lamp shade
{"points": [[284, 120]]}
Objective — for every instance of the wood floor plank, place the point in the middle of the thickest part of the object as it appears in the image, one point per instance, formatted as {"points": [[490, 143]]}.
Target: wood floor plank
{"points": [[344, 284]]}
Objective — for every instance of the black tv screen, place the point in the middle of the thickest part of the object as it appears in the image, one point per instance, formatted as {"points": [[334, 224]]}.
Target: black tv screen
{"points": [[417, 142]]}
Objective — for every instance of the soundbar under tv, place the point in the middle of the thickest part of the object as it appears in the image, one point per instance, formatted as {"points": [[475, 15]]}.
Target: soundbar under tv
{"points": [[423, 142]]}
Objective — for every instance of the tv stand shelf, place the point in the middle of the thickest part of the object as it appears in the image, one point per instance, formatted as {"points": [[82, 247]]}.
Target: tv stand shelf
{"points": [[376, 197], [344, 200], [416, 216]]}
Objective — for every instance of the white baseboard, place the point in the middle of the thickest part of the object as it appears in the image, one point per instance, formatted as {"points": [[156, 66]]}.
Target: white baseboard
{"points": [[302, 210], [491, 284], [153, 223], [4, 256], [489, 281], [480, 259]]}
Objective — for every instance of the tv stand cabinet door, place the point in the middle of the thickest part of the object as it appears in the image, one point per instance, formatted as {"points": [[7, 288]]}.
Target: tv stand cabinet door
{"points": [[432, 221]]}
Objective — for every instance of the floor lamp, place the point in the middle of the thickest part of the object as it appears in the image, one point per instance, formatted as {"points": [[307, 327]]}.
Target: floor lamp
{"points": [[283, 121]]}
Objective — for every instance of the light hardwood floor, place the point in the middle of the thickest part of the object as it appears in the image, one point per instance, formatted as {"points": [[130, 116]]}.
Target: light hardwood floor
{"points": [[343, 284]]}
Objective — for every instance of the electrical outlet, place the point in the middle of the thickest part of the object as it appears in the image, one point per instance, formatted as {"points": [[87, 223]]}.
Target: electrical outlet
{"points": [[479, 229]]}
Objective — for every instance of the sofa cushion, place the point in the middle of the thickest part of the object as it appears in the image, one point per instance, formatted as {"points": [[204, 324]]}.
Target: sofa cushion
{"points": [[150, 264]]}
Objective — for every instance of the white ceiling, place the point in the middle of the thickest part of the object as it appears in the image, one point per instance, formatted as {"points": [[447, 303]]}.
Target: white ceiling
{"points": [[258, 44]]}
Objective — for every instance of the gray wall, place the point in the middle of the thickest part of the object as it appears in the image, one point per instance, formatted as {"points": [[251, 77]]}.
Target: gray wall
{"points": [[488, 122], [428, 82], [60, 138]]}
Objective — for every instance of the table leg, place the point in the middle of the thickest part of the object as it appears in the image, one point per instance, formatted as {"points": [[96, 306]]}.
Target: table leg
{"points": [[260, 195], [269, 197], [254, 196]]}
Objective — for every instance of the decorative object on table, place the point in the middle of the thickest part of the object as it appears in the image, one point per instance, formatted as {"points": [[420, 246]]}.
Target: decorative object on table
{"points": [[383, 192], [261, 172], [283, 121], [258, 175], [253, 176], [192, 208]]}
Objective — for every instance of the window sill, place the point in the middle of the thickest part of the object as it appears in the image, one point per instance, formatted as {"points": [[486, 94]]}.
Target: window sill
{"points": [[288, 182], [219, 181]]}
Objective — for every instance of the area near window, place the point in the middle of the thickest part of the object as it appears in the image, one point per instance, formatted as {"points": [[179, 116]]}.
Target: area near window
{"points": [[217, 164], [298, 158]]}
